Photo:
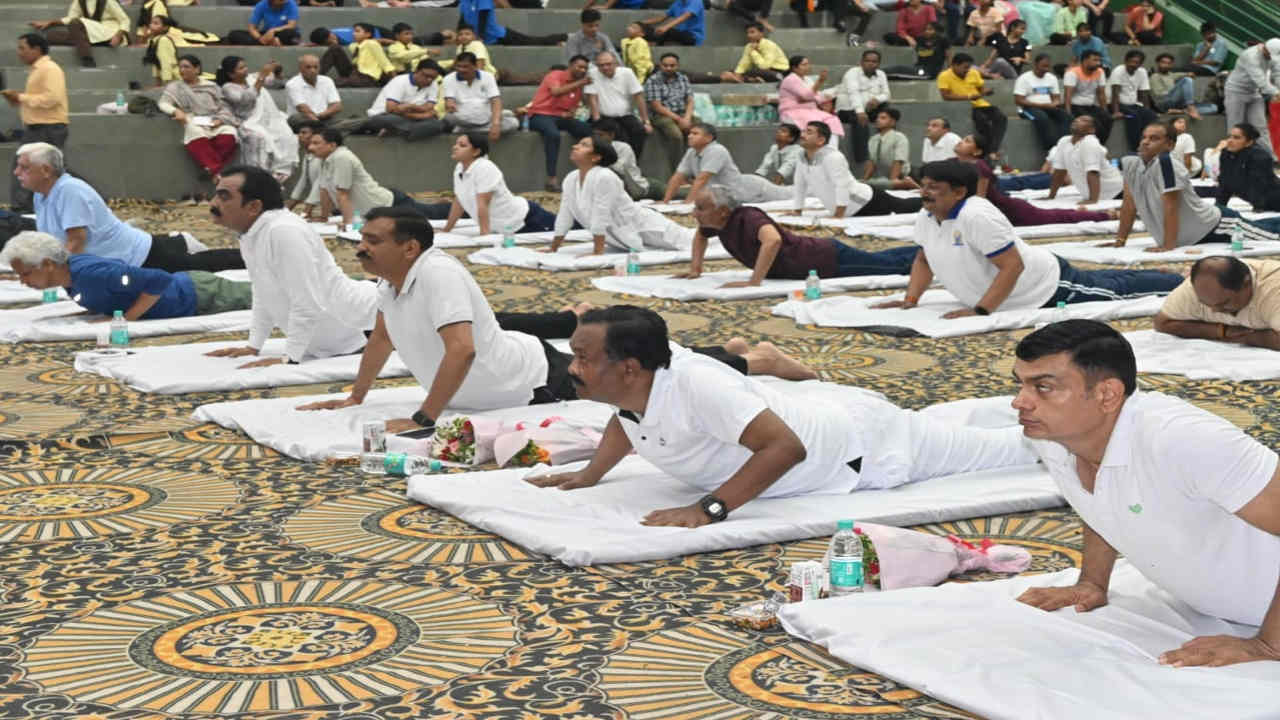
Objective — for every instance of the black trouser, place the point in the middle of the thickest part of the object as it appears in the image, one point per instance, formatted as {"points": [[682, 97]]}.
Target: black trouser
{"points": [[169, 253], [242, 37], [430, 211], [859, 135], [1050, 123], [632, 132], [336, 57], [547, 326], [1137, 118], [844, 8], [1101, 23], [991, 122], [882, 203], [514, 37], [751, 10], [75, 35], [1101, 119], [1060, 39], [679, 37], [55, 134]]}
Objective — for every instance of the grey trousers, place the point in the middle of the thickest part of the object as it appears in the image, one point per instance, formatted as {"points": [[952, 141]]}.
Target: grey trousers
{"points": [[1251, 109], [411, 129], [19, 197]]}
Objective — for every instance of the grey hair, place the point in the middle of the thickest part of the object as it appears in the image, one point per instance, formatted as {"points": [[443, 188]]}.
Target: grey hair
{"points": [[43, 153], [33, 248], [722, 197]]}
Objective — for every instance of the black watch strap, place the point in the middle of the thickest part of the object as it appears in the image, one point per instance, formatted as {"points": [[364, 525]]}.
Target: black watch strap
{"points": [[981, 310], [714, 507], [423, 419]]}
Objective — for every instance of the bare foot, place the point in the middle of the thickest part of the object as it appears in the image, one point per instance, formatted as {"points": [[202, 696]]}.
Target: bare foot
{"points": [[737, 346], [1193, 112], [1113, 213], [766, 359]]}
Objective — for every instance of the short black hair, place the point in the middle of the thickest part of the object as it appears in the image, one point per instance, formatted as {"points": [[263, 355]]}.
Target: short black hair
{"points": [[312, 125], [755, 25], [367, 27], [410, 225], [608, 156], [892, 112], [1162, 56], [466, 56], [1249, 130], [822, 129], [945, 122], [981, 142], [1135, 53], [608, 125], [332, 135], [479, 141], [865, 53], [1207, 27], [258, 185], [961, 58], [1017, 22], [463, 25], [589, 15], [429, 64], [578, 57], [666, 55], [954, 173], [400, 27], [632, 332], [191, 59], [36, 40], [1040, 56], [1231, 276], [319, 36], [1095, 347], [1088, 54], [792, 129], [707, 128], [1083, 26]]}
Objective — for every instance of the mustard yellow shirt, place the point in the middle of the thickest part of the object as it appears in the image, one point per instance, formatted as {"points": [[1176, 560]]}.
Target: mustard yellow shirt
{"points": [[405, 57], [370, 59], [766, 56], [483, 61], [636, 55], [968, 85], [44, 102]]}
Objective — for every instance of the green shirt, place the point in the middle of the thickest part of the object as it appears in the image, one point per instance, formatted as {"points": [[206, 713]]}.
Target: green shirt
{"points": [[1066, 20], [885, 149]]}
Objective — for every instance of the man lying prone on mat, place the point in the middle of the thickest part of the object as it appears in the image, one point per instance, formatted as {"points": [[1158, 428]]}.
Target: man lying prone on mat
{"points": [[1226, 299], [1190, 499], [739, 439], [103, 285], [433, 313]]}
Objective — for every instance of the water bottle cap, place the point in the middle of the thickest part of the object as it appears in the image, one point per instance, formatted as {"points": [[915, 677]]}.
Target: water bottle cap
{"points": [[813, 273], [1062, 304], [117, 314], [845, 525]]}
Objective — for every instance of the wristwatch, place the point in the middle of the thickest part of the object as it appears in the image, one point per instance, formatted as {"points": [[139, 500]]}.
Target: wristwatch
{"points": [[714, 507], [981, 310], [422, 419]]}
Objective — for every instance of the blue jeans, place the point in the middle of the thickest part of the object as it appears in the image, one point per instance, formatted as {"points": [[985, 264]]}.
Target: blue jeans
{"points": [[1077, 286], [1183, 95], [537, 219], [549, 127], [850, 261], [1024, 181], [1050, 123]]}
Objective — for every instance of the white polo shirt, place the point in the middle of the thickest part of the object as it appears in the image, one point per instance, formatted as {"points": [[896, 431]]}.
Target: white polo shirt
{"points": [[960, 248], [1171, 479], [944, 149], [613, 93], [828, 177], [505, 209], [317, 97], [472, 97], [1081, 158], [438, 291], [698, 409], [402, 89], [1129, 84], [1037, 89]]}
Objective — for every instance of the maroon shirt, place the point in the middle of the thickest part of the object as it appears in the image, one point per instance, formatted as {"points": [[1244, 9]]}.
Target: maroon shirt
{"points": [[798, 255]]}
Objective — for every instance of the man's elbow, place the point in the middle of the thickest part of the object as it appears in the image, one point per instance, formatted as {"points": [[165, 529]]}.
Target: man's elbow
{"points": [[794, 450], [1163, 323]]}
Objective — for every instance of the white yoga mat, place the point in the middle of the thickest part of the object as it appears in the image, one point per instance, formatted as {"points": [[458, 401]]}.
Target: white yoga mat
{"points": [[1026, 232], [175, 369], [13, 292], [1161, 353], [707, 287], [672, 208], [974, 646], [601, 524], [578, 257], [1135, 251], [314, 436], [926, 318]]}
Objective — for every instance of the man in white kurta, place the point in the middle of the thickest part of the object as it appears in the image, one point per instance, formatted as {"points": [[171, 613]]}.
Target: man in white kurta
{"points": [[1082, 158]]}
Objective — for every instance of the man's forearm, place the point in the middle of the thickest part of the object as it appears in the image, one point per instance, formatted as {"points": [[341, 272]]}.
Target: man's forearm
{"points": [[761, 470], [614, 446], [1196, 329], [1000, 289], [1093, 178], [140, 306], [375, 355], [345, 206], [918, 281], [1097, 559], [697, 253], [449, 376]]}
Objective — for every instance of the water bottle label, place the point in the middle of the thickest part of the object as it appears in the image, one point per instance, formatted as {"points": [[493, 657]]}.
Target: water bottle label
{"points": [[508, 241], [119, 337], [393, 463], [813, 293], [49, 296], [846, 573]]}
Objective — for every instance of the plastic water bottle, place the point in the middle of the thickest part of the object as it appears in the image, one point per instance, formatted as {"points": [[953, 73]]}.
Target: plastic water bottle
{"points": [[119, 100], [1237, 240], [376, 463], [508, 235], [812, 286], [50, 295], [633, 262], [357, 222], [119, 330], [845, 553], [1060, 311]]}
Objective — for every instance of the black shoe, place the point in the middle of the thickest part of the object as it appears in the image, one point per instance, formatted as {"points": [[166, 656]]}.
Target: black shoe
{"points": [[88, 62]]}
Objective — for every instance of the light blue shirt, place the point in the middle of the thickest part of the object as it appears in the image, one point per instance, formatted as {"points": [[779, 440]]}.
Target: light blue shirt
{"points": [[71, 203], [1217, 53]]}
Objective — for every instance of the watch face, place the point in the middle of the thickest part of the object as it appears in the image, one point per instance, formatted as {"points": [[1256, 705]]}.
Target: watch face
{"points": [[715, 508]]}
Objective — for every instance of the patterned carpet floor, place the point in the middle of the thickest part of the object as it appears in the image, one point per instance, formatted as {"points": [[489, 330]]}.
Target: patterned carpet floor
{"points": [[154, 567]]}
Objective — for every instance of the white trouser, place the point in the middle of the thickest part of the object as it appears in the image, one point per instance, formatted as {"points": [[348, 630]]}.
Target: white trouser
{"points": [[755, 189]]}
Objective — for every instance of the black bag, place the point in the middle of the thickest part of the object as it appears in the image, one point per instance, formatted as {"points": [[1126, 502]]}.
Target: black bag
{"points": [[11, 224], [143, 105]]}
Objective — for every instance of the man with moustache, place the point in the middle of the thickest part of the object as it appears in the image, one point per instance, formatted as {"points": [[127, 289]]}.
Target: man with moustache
{"points": [[431, 311]]}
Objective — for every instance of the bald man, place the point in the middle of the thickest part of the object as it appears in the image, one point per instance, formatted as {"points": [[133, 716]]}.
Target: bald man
{"points": [[312, 97], [1227, 299]]}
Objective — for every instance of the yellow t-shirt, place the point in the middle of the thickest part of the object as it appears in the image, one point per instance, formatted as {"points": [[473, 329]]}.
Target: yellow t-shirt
{"points": [[405, 57], [636, 55], [1262, 312], [968, 85], [371, 59]]}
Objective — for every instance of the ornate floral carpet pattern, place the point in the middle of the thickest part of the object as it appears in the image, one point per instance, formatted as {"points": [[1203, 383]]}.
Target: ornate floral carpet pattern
{"points": [[153, 567]]}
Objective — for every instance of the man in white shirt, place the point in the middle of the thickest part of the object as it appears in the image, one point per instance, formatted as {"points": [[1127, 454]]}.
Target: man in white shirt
{"points": [[1082, 158], [824, 173], [612, 93], [312, 97], [972, 248], [345, 186], [1251, 86], [738, 439], [708, 162], [863, 91], [406, 106], [472, 101], [939, 143], [1039, 99], [1131, 96], [1189, 499], [297, 285]]}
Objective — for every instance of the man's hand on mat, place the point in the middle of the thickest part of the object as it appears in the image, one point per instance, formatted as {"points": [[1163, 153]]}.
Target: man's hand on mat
{"points": [[332, 405], [893, 304], [962, 312], [232, 352], [741, 283], [400, 425], [690, 516], [1158, 249], [1219, 650], [564, 481], [687, 275], [264, 362], [1084, 596]]}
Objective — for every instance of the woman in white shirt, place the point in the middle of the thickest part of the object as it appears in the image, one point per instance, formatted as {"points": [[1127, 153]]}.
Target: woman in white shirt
{"points": [[1184, 147], [593, 196], [480, 190]]}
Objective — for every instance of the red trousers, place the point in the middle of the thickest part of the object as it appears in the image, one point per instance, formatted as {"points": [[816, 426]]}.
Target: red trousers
{"points": [[214, 153]]}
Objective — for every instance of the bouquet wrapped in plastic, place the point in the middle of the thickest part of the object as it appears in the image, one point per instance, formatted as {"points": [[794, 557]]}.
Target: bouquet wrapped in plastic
{"points": [[553, 441], [898, 558]]}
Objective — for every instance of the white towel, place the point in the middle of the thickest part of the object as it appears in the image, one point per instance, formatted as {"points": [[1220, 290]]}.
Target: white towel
{"points": [[673, 208], [1134, 252], [175, 369], [601, 524], [578, 257], [1026, 232], [1158, 352], [926, 318], [974, 646], [13, 292], [708, 287]]}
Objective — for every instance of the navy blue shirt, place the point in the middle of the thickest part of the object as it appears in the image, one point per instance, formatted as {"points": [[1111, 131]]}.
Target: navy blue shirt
{"points": [[104, 285]]}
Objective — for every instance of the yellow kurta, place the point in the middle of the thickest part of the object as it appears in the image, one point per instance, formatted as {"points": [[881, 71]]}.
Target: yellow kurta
{"points": [[370, 59], [636, 55], [483, 61], [114, 20], [167, 55], [405, 57]]}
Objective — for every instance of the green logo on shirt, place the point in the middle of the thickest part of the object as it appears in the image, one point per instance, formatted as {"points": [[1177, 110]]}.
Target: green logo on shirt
{"points": [[1136, 508]]}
